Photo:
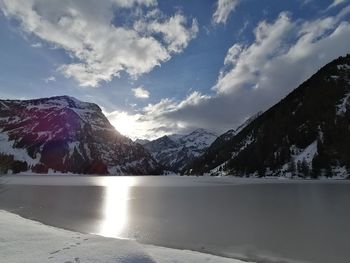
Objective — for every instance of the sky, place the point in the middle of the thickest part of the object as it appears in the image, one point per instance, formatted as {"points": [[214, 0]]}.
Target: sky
{"points": [[158, 67]]}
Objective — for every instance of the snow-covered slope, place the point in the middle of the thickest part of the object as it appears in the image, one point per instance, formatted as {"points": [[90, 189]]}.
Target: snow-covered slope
{"points": [[176, 151], [67, 135]]}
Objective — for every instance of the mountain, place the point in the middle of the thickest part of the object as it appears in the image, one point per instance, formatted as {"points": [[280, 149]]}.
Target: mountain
{"points": [[231, 133], [176, 151], [142, 141], [306, 134], [66, 135]]}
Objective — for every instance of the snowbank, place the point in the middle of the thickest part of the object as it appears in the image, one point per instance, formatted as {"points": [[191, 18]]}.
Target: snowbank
{"points": [[23, 240]]}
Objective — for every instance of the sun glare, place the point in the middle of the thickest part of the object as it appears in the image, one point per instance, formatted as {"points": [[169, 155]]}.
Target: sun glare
{"points": [[115, 205], [124, 123]]}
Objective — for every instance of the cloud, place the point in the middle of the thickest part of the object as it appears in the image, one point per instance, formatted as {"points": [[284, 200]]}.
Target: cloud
{"points": [[140, 92], [248, 62], [36, 45], [175, 35], [131, 3], [49, 79], [284, 53], [134, 125], [99, 48], [306, 2], [152, 121], [336, 3], [223, 10]]}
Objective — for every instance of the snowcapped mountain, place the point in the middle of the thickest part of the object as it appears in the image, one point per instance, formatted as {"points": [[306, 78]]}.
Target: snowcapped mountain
{"points": [[66, 135], [176, 151], [306, 134]]}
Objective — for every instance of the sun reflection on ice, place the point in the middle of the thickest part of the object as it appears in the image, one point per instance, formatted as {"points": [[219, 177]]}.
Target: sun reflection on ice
{"points": [[117, 190]]}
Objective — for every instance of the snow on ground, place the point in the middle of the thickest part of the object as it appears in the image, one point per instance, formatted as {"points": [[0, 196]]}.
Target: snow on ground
{"points": [[23, 240]]}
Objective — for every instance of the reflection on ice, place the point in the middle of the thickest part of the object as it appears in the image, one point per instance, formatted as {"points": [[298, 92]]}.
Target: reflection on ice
{"points": [[115, 205]]}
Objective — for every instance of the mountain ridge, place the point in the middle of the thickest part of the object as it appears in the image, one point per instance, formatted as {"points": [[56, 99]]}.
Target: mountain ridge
{"points": [[176, 151], [306, 134], [66, 135]]}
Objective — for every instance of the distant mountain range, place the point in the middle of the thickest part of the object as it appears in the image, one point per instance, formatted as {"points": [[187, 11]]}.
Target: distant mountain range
{"points": [[175, 152], [66, 135], [307, 134]]}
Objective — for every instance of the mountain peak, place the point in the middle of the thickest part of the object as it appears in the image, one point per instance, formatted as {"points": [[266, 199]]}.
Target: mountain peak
{"points": [[176, 151], [64, 134], [63, 101]]}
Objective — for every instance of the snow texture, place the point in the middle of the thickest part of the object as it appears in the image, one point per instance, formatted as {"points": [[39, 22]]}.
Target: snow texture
{"points": [[77, 132], [307, 154], [19, 154], [341, 108], [176, 151], [23, 240]]}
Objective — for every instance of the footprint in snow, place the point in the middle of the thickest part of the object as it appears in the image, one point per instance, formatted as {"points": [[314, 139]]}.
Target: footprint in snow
{"points": [[54, 252]]}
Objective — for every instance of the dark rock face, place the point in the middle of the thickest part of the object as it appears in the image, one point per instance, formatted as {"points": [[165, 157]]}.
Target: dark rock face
{"points": [[306, 134], [66, 135]]}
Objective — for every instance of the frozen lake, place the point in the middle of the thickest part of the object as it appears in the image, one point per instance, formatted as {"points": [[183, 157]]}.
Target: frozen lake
{"points": [[275, 220]]}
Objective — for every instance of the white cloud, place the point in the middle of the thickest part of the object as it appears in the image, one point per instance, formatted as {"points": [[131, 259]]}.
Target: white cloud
{"points": [[141, 92], [306, 2], [49, 79], [99, 49], [131, 3], [36, 45], [233, 54], [248, 62], [285, 53], [223, 10], [152, 121], [336, 3], [175, 34]]}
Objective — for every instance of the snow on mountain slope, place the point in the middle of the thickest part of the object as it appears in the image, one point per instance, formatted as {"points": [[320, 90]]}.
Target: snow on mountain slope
{"points": [[197, 140], [65, 135], [176, 151]]}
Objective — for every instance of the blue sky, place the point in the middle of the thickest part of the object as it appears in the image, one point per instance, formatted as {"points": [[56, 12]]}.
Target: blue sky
{"points": [[168, 66]]}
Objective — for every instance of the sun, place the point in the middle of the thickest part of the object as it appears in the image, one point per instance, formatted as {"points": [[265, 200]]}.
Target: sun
{"points": [[124, 123], [134, 126]]}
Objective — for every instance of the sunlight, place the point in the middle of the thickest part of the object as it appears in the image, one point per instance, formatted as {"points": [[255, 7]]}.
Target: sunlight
{"points": [[115, 205], [124, 123]]}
